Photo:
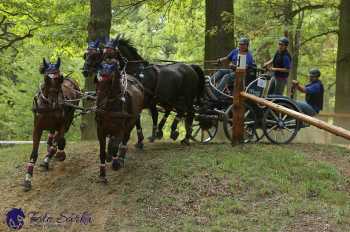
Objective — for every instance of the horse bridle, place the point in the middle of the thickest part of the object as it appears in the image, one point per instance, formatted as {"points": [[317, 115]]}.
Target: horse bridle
{"points": [[45, 99]]}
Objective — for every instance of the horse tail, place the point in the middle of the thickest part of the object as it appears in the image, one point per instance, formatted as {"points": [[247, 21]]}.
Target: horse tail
{"points": [[201, 80]]}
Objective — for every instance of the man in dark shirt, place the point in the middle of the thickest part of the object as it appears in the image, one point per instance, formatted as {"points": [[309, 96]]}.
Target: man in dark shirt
{"points": [[280, 65], [313, 92]]}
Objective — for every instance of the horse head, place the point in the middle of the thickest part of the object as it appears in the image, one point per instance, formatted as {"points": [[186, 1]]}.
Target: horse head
{"points": [[127, 50], [92, 57], [108, 81], [52, 80]]}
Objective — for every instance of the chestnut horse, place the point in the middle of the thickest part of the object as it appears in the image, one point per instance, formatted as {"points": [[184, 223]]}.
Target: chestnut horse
{"points": [[119, 103], [50, 113]]}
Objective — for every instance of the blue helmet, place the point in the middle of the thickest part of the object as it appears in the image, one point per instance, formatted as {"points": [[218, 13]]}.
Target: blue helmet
{"points": [[314, 72], [244, 40], [284, 41]]}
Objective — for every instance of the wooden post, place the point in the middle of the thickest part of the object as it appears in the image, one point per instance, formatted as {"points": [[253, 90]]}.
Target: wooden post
{"points": [[238, 106], [300, 116]]}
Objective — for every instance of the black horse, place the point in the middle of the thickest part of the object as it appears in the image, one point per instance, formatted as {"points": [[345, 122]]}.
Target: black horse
{"points": [[175, 87]]}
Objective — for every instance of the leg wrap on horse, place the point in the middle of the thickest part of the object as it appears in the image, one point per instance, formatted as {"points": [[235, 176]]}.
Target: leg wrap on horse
{"points": [[52, 151], [122, 151], [50, 139], [30, 168]]}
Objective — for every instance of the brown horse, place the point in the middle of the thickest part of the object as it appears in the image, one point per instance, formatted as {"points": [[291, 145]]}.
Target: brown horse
{"points": [[119, 103], [51, 113]]}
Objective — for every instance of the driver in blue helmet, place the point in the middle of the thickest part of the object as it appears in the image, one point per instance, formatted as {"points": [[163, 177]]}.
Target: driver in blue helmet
{"points": [[313, 92], [226, 76], [280, 65]]}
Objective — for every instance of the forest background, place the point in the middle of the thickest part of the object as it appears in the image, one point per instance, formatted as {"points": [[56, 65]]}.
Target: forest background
{"points": [[167, 29]]}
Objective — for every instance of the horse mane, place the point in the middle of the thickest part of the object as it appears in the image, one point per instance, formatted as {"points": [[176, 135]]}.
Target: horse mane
{"points": [[128, 44]]}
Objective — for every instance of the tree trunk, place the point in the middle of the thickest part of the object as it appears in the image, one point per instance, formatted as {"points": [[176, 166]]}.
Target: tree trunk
{"points": [[98, 28], [295, 52], [219, 41], [343, 65], [294, 40]]}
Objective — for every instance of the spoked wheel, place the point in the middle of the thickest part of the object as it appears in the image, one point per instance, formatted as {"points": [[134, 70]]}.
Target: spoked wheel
{"points": [[278, 127], [204, 130], [259, 134], [250, 134]]}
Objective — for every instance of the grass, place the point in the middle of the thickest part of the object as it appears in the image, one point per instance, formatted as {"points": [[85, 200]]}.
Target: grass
{"points": [[169, 187]]}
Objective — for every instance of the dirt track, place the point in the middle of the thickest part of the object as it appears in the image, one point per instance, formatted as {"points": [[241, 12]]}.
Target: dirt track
{"points": [[73, 187]]}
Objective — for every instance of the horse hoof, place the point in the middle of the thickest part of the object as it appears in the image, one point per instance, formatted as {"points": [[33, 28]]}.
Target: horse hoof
{"points": [[151, 139], [139, 146], [27, 185], [103, 180], [185, 142], [117, 164], [44, 165], [174, 135], [159, 135], [60, 156]]}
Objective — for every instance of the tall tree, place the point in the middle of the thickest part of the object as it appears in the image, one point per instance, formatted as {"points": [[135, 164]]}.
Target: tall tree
{"points": [[218, 38], [343, 63], [99, 28]]}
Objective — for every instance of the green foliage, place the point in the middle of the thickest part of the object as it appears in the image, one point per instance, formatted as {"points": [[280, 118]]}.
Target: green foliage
{"points": [[159, 29]]}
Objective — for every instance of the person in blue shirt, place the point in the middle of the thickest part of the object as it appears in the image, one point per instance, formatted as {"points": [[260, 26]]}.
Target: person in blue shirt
{"points": [[313, 93], [226, 76], [280, 65]]}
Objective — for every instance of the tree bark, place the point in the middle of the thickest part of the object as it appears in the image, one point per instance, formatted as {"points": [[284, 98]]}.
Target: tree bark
{"points": [[342, 104], [99, 28], [219, 41]]}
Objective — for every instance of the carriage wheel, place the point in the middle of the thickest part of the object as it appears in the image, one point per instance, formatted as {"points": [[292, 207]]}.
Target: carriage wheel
{"points": [[278, 127], [259, 134], [250, 134], [204, 132]]}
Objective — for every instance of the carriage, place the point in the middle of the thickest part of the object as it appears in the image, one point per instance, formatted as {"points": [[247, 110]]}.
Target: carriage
{"points": [[259, 121]]}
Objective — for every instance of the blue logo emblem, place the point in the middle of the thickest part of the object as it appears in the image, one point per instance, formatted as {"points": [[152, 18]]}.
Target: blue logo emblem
{"points": [[15, 218]]}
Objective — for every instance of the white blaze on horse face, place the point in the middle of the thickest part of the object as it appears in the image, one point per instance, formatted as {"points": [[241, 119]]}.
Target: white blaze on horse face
{"points": [[53, 75], [99, 76]]}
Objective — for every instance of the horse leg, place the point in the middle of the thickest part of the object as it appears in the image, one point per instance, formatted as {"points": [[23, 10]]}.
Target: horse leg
{"points": [[113, 144], [161, 124], [51, 151], [140, 138], [33, 158], [154, 113], [118, 161], [188, 126], [102, 142], [174, 133], [50, 139], [61, 144]]}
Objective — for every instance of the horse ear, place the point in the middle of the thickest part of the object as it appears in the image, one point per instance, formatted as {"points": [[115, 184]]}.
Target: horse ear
{"points": [[45, 64], [115, 43], [106, 39], [58, 63]]}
